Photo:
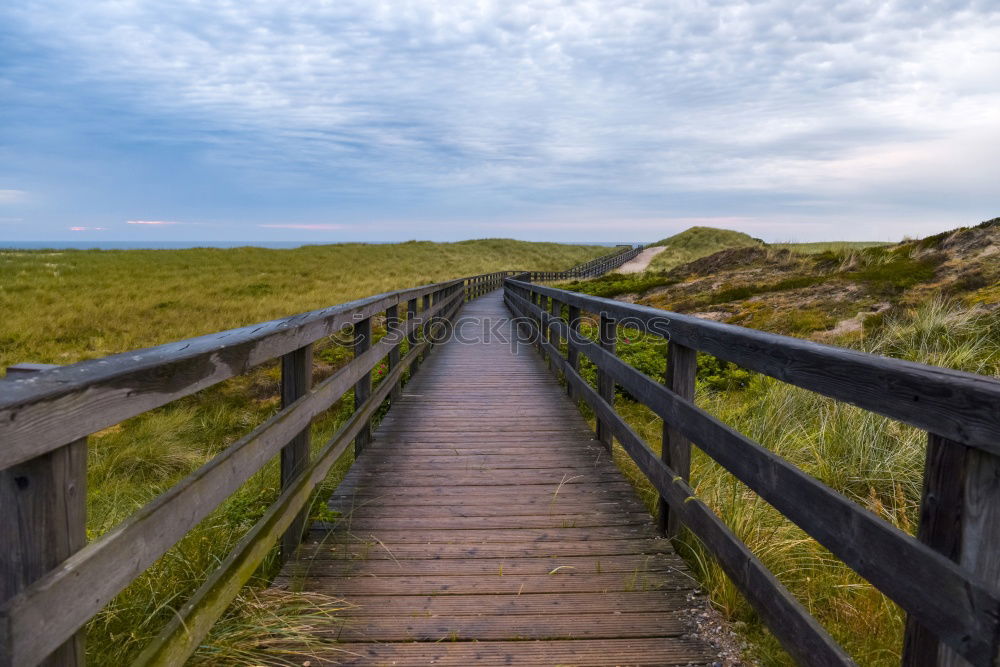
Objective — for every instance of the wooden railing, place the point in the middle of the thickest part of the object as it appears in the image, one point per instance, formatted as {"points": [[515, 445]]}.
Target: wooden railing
{"points": [[946, 579], [52, 582], [594, 267]]}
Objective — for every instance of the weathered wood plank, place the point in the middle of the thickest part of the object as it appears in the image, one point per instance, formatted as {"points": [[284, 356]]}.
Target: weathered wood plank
{"points": [[682, 366], [632, 651], [43, 522], [296, 380]]}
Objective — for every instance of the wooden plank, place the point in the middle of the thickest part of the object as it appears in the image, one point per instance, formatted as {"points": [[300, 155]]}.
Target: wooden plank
{"points": [[418, 523], [502, 567], [296, 380], [318, 547], [958, 406], [393, 328], [494, 627], [363, 387], [583, 653], [940, 528], [682, 367], [43, 522], [605, 383], [563, 582], [512, 605]]}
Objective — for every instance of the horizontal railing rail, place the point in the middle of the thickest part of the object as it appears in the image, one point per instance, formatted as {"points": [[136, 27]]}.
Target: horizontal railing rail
{"points": [[595, 267], [52, 583], [950, 594]]}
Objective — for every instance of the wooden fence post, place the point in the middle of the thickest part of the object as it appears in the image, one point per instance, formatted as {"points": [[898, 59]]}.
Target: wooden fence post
{"points": [[411, 338], [572, 353], [605, 383], [296, 381], [960, 518], [675, 449], [363, 388], [392, 325], [426, 305], [43, 520], [555, 309]]}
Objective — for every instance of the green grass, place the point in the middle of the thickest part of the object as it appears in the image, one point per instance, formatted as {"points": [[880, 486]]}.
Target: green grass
{"points": [[874, 461], [827, 246], [695, 243], [615, 284], [65, 306]]}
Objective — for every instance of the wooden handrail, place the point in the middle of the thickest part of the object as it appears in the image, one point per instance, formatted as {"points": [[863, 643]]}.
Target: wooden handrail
{"points": [[957, 603], [52, 408], [51, 411]]}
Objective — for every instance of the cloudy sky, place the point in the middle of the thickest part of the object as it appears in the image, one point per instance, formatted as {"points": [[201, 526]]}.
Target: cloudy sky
{"points": [[550, 119]]}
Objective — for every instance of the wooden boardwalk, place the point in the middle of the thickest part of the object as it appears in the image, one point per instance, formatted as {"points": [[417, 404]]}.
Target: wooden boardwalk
{"points": [[484, 524]]}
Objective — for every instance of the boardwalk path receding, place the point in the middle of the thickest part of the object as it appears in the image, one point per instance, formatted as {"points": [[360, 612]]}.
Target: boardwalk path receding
{"points": [[485, 525]]}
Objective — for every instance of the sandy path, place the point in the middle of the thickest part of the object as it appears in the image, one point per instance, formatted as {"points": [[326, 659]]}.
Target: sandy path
{"points": [[639, 263]]}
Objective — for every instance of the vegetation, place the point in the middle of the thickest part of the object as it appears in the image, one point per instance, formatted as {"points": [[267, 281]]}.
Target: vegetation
{"points": [[697, 242], [65, 306], [827, 246], [875, 461]]}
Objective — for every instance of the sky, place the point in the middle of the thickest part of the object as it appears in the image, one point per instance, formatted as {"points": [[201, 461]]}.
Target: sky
{"points": [[568, 120]]}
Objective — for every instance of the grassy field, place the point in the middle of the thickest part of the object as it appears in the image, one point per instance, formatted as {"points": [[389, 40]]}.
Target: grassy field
{"points": [[66, 306], [697, 242], [827, 246], [938, 305]]}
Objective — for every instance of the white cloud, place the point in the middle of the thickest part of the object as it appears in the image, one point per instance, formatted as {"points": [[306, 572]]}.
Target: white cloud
{"points": [[151, 222], [311, 227], [580, 100], [87, 229], [13, 196]]}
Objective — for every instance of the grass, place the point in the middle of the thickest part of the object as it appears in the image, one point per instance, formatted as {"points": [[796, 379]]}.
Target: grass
{"points": [[815, 247], [874, 461], [66, 306], [695, 243]]}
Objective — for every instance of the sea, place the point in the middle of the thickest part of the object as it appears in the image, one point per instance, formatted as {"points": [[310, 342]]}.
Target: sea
{"points": [[173, 245]]}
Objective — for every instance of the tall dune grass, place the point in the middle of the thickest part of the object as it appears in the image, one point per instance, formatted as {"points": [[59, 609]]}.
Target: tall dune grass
{"points": [[65, 306], [874, 461]]}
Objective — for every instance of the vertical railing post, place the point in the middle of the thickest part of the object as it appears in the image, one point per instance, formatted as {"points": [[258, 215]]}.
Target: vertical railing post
{"points": [[425, 323], [605, 383], [363, 388], [960, 518], [411, 338], [392, 328], [554, 311], [43, 520], [675, 449], [296, 381], [572, 352]]}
